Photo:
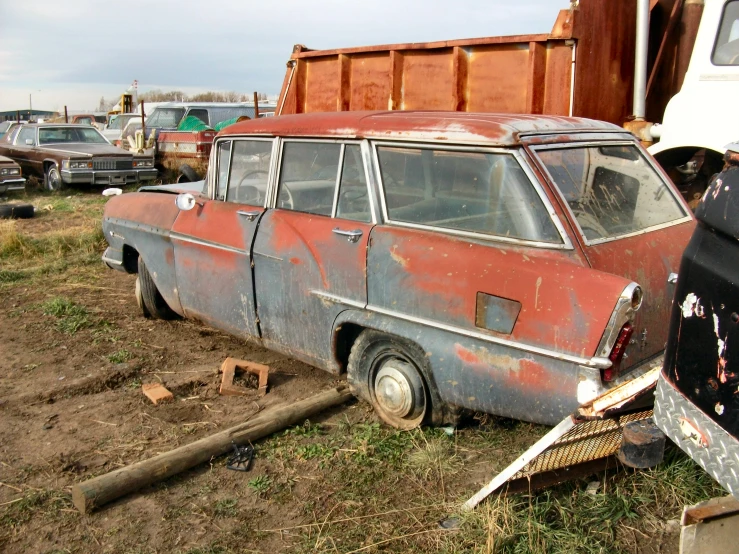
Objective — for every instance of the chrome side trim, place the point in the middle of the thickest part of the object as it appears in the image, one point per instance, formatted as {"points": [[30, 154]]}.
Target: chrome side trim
{"points": [[201, 242], [268, 256], [338, 299], [139, 227], [597, 362], [622, 313]]}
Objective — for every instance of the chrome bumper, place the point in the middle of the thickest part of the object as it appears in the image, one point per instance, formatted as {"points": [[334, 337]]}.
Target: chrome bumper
{"points": [[9, 185], [114, 259], [108, 177], [709, 444]]}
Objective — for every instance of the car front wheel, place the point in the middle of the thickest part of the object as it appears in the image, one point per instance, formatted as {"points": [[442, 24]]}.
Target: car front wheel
{"points": [[53, 179], [149, 298]]}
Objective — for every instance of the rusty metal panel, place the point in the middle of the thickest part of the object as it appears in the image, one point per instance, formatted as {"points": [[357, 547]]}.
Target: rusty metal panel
{"points": [[436, 276], [371, 81], [557, 80], [495, 313], [498, 78], [420, 70], [323, 85]]}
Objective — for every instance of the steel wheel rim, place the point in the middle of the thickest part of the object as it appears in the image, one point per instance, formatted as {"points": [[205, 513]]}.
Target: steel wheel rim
{"points": [[54, 179], [399, 393]]}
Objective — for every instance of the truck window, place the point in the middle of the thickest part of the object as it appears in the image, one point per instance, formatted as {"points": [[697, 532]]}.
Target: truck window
{"points": [[167, 118], [726, 50], [475, 192], [611, 190], [247, 182], [308, 177], [200, 113]]}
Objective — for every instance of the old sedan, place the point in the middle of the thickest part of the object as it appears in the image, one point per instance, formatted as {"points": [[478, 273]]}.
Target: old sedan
{"points": [[10, 176], [516, 265], [73, 154]]}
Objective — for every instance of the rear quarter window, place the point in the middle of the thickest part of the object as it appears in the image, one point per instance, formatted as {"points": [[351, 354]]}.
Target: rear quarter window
{"points": [[611, 190]]}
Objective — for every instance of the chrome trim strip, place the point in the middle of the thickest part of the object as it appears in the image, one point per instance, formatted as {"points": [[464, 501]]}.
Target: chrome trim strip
{"points": [[268, 256], [370, 178], [338, 299], [622, 313], [112, 261], [588, 362], [192, 240], [139, 227], [566, 244], [337, 184], [648, 158]]}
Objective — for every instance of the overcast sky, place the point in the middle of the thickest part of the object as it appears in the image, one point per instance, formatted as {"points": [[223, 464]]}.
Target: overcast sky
{"points": [[72, 52]]}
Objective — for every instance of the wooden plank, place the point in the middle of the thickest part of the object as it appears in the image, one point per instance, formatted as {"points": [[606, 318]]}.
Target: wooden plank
{"points": [[98, 491]]}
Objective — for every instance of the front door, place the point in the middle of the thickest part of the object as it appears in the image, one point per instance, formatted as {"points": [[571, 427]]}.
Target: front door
{"points": [[213, 241], [310, 253]]}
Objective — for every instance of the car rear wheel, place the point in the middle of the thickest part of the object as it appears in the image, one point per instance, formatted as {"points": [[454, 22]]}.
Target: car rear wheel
{"points": [[151, 300], [391, 368], [53, 179]]}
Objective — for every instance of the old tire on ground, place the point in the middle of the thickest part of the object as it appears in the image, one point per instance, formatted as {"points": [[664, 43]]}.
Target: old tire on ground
{"points": [[151, 298], [52, 178], [395, 372], [187, 174], [16, 211]]}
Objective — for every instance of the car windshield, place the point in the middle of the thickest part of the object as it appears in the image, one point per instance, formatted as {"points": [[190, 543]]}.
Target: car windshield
{"points": [[611, 190], [119, 121], [165, 117], [55, 135]]}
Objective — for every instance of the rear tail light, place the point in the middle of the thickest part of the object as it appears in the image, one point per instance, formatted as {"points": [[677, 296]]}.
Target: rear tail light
{"points": [[618, 351]]}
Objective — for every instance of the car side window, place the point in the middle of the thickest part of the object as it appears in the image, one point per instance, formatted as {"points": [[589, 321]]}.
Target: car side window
{"points": [[353, 202], [249, 175], [308, 177], [201, 114], [473, 192], [223, 158], [726, 49], [25, 134]]}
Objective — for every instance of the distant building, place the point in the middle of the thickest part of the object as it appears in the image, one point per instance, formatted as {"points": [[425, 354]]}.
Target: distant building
{"points": [[25, 115]]}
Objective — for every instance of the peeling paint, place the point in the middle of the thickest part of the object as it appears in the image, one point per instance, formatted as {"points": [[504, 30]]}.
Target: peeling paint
{"points": [[691, 306]]}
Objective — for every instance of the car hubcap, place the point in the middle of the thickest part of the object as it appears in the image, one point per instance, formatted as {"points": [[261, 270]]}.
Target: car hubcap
{"points": [[54, 179], [399, 390]]}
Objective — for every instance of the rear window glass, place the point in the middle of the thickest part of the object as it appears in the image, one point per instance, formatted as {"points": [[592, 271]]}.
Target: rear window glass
{"points": [[726, 51], [611, 190], [475, 192], [58, 135]]}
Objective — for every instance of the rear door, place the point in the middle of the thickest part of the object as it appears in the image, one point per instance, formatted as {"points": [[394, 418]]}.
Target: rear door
{"points": [[212, 241], [630, 222], [310, 254]]}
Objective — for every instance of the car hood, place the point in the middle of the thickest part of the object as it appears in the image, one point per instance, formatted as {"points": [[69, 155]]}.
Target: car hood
{"points": [[84, 149], [193, 188]]}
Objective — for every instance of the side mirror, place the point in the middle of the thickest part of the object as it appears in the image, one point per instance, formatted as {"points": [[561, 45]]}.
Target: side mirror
{"points": [[29, 142], [185, 201]]}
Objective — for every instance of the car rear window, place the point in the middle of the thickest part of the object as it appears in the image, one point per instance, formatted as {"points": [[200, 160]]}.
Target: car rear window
{"points": [[611, 190], [472, 192]]}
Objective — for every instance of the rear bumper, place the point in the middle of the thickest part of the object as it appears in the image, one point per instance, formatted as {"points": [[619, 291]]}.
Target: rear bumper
{"points": [[110, 177], [9, 185], [709, 444]]}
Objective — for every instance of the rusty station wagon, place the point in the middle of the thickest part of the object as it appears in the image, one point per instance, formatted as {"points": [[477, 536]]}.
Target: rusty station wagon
{"points": [[516, 265]]}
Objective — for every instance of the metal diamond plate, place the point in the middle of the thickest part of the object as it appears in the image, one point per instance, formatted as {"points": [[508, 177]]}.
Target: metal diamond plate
{"points": [[720, 458], [588, 440]]}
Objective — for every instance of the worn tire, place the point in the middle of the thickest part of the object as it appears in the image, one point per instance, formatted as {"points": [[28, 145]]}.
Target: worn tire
{"points": [[152, 300], [378, 358], [140, 299], [187, 174], [16, 211], [53, 179]]}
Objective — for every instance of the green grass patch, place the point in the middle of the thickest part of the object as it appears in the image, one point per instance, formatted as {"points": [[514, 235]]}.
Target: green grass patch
{"points": [[120, 356], [71, 317]]}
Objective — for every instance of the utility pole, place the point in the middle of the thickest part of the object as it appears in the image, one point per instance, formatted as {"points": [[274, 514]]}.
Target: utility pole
{"points": [[30, 108]]}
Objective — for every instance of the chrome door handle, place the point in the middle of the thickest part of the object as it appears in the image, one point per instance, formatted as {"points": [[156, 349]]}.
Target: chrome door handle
{"points": [[351, 236], [672, 278], [251, 216]]}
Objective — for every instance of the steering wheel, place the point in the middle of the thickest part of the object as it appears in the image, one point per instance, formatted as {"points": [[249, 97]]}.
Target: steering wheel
{"points": [[352, 195], [285, 198], [251, 174]]}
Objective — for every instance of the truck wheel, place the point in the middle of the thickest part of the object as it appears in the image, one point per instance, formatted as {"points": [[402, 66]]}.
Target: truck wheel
{"points": [[52, 178], [391, 367], [151, 299], [187, 174]]}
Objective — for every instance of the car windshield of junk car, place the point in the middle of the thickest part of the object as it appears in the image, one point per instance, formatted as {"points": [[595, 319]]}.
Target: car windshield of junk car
{"points": [[612, 190], [57, 135]]}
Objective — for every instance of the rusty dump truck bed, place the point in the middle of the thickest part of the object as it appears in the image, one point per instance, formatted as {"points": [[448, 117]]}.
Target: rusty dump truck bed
{"points": [[525, 74]]}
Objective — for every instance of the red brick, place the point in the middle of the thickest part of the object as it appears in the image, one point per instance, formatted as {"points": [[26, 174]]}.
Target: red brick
{"points": [[233, 366], [157, 393]]}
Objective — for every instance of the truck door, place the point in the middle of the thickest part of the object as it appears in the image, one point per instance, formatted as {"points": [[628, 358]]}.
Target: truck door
{"points": [[212, 241], [310, 253]]}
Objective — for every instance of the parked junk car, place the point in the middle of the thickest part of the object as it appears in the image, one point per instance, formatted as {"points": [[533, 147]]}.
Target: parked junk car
{"points": [[696, 403], [10, 176], [177, 146], [115, 128], [516, 265], [95, 120], [62, 154]]}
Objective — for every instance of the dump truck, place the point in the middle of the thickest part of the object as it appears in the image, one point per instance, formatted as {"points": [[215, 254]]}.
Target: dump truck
{"points": [[667, 70]]}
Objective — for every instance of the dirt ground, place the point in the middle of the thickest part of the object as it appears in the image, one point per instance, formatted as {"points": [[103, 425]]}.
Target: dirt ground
{"points": [[74, 352]]}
